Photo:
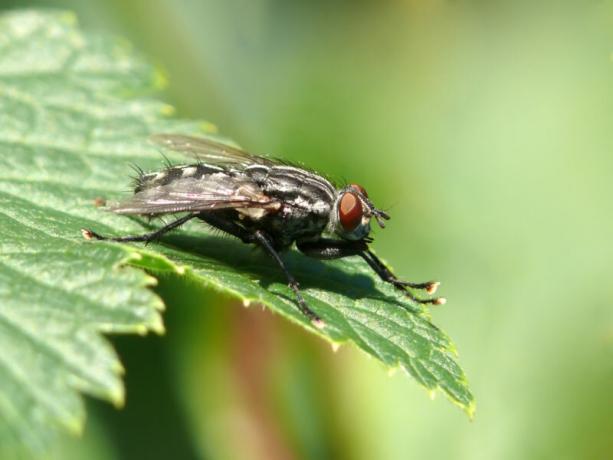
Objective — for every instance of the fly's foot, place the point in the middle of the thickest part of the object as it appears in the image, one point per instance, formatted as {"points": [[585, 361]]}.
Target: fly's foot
{"points": [[91, 235], [318, 323], [304, 308], [430, 287], [431, 301]]}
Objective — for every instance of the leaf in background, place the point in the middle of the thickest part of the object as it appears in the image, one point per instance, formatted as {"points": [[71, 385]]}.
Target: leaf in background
{"points": [[75, 112]]}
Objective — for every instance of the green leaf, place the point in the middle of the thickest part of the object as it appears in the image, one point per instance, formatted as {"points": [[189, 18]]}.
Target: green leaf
{"points": [[75, 111]]}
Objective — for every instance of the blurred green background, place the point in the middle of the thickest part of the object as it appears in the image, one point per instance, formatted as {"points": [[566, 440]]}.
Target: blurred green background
{"points": [[486, 129]]}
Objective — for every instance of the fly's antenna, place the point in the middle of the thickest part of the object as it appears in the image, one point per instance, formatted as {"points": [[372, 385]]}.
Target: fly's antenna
{"points": [[381, 216]]}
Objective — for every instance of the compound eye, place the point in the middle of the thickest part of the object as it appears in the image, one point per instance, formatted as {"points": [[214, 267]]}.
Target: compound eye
{"points": [[350, 211], [359, 188]]}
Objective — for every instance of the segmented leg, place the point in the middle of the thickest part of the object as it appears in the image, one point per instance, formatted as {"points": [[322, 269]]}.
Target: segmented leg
{"points": [[147, 237], [335, 249], [386, 275], [262, 240], [265, 242]]}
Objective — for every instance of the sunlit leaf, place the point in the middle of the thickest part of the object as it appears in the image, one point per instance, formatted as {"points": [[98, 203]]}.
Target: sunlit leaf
{"points": [[75, 112]]}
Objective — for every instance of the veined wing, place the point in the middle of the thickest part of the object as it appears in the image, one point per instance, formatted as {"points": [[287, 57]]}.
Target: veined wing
{"points": [[197, 195], [209, 151]]}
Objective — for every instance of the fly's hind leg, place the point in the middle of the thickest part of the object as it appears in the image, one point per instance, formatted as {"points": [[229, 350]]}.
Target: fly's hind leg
{"points": [[147, 237], [260, 238]]}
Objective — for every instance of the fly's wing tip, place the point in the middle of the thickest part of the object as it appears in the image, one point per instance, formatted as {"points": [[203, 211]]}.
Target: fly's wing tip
{"points": [[121, 207]]}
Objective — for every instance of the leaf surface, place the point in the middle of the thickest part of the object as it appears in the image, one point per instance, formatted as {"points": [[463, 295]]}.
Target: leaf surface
{"points": [[76, 111]]}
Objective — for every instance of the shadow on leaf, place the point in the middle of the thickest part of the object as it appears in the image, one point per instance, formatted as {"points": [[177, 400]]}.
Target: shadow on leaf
{"points": [[334, 276]]}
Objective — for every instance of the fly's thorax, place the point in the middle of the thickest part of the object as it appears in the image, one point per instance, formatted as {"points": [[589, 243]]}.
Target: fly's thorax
{"points": [[305, 200], [300, 191]]}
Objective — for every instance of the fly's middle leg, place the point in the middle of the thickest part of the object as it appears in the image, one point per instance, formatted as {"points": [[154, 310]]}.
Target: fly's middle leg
{"points": [[260, 238], [265, 243]]}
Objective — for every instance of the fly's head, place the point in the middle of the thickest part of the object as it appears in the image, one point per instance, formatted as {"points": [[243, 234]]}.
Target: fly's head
{"points": [[352, 211]]}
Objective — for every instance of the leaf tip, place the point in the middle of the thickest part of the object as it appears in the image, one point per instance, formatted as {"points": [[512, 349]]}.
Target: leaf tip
{"points": [[118, 396], [470, 410], [141, 329], [157, 325], [118, 368], [153, 281], [392, 371]]}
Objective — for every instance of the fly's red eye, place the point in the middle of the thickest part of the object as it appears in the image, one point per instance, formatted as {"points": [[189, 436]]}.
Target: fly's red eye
{"points": [[359, 188], [350, 211]]}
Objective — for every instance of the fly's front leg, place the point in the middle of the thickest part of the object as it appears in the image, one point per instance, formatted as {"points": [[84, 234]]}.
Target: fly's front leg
{"points": [[147, 237], [386, 275], [335, 249]]}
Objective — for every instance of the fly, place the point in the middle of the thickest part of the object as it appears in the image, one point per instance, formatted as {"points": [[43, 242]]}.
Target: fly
{"points": [[265, 202]]}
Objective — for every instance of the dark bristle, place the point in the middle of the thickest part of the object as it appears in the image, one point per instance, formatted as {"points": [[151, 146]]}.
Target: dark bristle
{"points": [[137, 177], [167, 162], [172, 173], [137, 169]]}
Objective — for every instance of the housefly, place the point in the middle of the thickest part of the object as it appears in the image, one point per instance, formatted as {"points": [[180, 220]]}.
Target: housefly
{"points": [[265, 202]]}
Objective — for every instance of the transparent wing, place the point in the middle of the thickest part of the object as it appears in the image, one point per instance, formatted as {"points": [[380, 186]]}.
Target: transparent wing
{"points": [[196, 195], [209, 151]]}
